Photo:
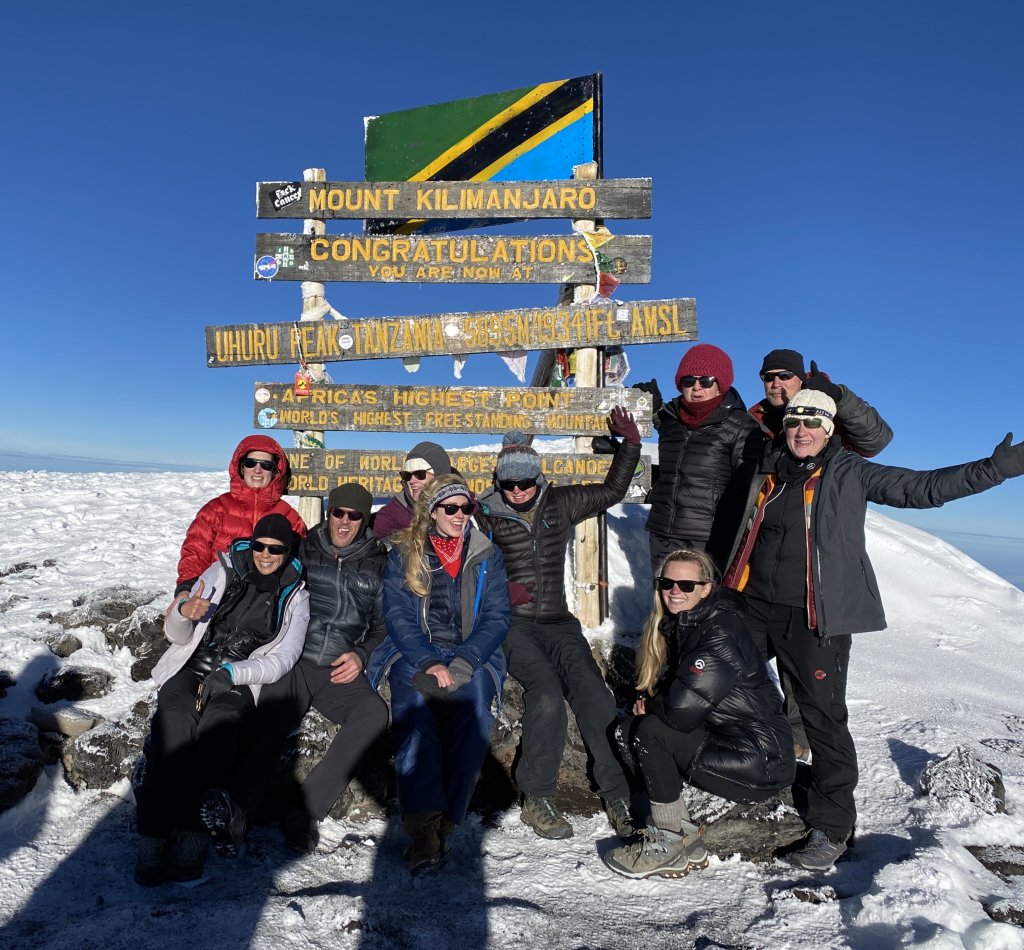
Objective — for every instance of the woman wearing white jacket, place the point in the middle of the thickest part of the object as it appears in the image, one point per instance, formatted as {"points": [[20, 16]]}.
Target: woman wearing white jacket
{"points": [[243, 625]]}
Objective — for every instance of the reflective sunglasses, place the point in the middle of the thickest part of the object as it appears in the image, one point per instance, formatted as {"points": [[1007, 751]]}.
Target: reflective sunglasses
{"points": [[266, 464], [784, 374], [686, 587], [688, 382], [791, 422], [511, 484], [418, 475], [342, 513], [259, 547], [466, 509]]}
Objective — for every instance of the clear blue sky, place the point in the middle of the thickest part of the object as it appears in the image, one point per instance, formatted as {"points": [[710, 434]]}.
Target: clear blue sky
{"points": [[845, 179]]}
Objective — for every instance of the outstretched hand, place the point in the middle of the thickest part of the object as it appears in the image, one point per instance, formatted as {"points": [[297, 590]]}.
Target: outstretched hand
{"points": [[820, 381], [1009, 459], [622, 423]]}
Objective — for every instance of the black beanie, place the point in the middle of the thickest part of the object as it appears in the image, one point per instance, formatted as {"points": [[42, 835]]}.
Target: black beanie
{"points": [[277, 527], [353, 496], [785, 359]]}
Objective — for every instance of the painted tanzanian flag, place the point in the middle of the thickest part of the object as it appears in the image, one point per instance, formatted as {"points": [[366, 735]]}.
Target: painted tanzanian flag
{"points": [[529, 134]]}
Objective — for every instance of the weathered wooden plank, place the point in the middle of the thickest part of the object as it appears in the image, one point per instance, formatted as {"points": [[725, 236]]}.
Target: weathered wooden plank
{"points": [[430, 200], [603, 323], [484, 259], [578, 411], [317, 471]]}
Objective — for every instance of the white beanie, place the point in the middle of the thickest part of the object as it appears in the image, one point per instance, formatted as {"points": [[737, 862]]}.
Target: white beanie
{"points": [[813, 402]]}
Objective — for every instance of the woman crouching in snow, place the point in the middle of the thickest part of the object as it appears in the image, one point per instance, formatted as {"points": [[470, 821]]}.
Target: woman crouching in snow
{"points": [[709, 713], [243, 625]]}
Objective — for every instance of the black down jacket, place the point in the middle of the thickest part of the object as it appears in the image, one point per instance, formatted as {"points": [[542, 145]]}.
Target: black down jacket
{"points": [[703, 473], [346, 591], [720, 681], [534, 546]]}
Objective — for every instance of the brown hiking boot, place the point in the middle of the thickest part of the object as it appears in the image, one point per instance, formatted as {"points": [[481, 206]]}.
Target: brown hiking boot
{"points": [[426, 849], [186, 855], [544, 818], [150, 864]]}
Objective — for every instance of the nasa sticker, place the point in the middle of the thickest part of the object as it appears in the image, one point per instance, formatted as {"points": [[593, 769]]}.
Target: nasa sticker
{"points": [[262, 395], [266, 267], [267, 418]]}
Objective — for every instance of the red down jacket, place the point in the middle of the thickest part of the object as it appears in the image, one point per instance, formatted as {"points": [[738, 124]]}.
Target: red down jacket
{"points": [[235, 513]]}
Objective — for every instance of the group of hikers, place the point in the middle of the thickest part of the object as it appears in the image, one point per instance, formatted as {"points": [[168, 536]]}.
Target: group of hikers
{"points": [[757, 552]]}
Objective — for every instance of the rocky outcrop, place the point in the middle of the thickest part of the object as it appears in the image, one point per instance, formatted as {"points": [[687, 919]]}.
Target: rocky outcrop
{"points": [[21, 760]]}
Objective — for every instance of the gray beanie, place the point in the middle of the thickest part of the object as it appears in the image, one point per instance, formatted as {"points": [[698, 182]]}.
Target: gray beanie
{"points": [[517, 459], [428, 456], [353, 496]]}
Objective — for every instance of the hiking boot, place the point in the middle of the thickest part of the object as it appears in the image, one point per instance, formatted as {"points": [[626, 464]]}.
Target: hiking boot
{"points": [[301, 831], [224, 820], [150, 864], [619, 817], [186, 855], [819, 852], [426, 849], [542, 816], [445, 828], [658, 852], [695, 850]]}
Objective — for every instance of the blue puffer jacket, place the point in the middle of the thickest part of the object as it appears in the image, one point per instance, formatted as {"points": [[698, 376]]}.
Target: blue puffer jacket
{"points": [[479, 613]]}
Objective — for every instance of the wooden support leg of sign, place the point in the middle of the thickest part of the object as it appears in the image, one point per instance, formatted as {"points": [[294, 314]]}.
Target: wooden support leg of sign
{"points": [[587, 555], [311, 508]]}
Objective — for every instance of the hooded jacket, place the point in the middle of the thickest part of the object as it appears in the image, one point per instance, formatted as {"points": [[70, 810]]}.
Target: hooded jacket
{"points": [[266, 664], [235, 513], [719, 681], [346, 596], [701, 470], [534, 545]]}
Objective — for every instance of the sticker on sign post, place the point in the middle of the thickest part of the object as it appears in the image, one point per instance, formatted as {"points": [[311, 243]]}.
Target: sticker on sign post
{"points": [[267, 418], [266, 266]]}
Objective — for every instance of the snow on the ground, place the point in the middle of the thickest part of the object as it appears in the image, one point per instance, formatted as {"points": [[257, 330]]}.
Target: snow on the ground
{"points": [[946, 672]]}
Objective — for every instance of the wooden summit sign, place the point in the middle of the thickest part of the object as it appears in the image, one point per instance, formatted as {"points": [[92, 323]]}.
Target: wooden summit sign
{"points": [[429, 200], [316, 471], [504, 259], [577, 411], [602, 323]]}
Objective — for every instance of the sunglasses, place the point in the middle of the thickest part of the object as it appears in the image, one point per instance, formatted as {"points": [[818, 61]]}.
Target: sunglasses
{"points": [[342, 513], [259, 547], [686, 587], [688, 382], [784, 374], [266, 464], [466, 509], [511, 484], [814, 422], [419, 475]]}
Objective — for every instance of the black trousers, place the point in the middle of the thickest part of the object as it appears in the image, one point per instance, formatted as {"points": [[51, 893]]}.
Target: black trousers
{"points": [[359, 712], [817, 670], [189, 753], [553, 663]]}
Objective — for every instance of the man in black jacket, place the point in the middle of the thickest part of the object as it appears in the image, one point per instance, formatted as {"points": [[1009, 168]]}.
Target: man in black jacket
{"points": [[344, 575], [530, 520]]}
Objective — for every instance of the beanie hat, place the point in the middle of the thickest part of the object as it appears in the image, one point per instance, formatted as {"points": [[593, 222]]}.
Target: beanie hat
{"points": [[785, 359], [813, 402], [277, 527], [706, 360], [429, 456], [353, 496], [450, 491], [517, 459]]}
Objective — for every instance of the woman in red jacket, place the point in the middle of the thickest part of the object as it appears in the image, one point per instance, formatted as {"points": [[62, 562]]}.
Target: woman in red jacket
{"points": [[259, 476]]}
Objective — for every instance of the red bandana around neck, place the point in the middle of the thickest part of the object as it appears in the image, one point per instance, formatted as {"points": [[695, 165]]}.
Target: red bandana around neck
{"points": [[449, 552]]}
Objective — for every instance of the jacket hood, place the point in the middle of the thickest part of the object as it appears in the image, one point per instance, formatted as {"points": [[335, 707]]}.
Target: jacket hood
{"points": [[278, 484]]}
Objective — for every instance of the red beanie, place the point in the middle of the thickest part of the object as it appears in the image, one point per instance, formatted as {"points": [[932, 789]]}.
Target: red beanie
{"points": [[706, 360]]}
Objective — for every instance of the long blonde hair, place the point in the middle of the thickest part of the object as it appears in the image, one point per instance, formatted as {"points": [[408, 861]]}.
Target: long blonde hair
{"points": [[411, 541], [650, 658]]}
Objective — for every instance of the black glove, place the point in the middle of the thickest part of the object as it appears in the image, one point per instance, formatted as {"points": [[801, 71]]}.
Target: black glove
{"points": [[219, 681], [428, 686], [519, 594], [1009, 459], [461, 672], [651, 388], [604, 445], [820, 381], [621, 423]]}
